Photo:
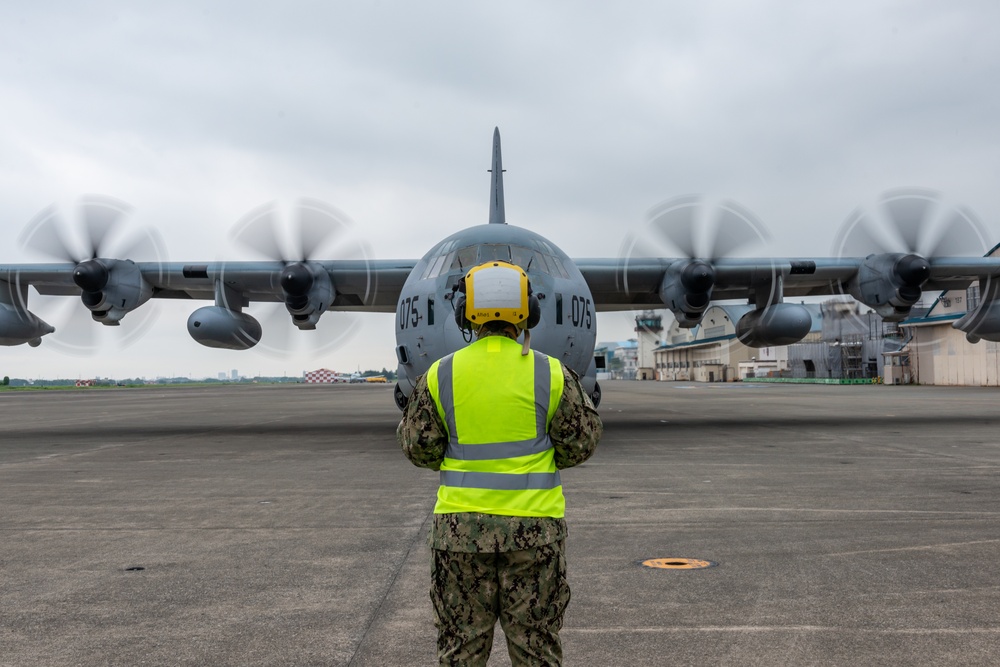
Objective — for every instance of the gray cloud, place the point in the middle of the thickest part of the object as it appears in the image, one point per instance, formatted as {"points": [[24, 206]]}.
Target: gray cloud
{"points": [[195, 116]]}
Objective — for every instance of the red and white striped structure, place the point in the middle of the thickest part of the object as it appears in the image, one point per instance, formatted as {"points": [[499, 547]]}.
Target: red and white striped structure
{"points": [[325, 376]]}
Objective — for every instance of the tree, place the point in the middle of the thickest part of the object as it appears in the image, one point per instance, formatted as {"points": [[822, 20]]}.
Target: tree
{"points": [[6, 380]]}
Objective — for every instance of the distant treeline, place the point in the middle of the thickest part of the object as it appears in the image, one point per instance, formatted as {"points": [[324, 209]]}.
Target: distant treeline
{"points": [[65, 382]]}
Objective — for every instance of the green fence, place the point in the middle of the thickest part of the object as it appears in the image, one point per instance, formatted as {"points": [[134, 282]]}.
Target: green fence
{"points": [[875, 380]]}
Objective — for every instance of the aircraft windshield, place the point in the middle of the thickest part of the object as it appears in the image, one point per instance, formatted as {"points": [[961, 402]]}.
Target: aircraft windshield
{"points": [[448, 259]]}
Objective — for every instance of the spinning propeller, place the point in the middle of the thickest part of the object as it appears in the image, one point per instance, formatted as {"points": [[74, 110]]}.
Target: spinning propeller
{"points": [[911, 221], [697, 233], [307, 288], [909, 228], [98, 234]]}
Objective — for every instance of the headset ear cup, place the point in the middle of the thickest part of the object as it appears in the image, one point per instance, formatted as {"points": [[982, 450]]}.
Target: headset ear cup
{"points": [[460, 320], [534, 312]]}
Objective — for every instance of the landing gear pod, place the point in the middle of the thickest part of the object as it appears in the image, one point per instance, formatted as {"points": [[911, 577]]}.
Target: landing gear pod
{"points": [[215, 326]]}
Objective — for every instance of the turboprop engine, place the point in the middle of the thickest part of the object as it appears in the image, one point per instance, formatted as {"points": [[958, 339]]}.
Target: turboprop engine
{"points": [[111, 288], [890, 283], [686, 290], [308, 292]]}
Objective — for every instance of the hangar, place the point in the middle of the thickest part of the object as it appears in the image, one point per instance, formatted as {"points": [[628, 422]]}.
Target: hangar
{"points": [[940, 354], [844, 343]]}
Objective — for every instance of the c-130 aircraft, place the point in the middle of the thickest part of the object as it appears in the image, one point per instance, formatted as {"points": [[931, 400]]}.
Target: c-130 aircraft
{"points": [[570, 291]]}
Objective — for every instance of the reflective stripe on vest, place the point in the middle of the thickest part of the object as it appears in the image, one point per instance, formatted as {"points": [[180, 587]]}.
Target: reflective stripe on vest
{"points": [[502, 393]]}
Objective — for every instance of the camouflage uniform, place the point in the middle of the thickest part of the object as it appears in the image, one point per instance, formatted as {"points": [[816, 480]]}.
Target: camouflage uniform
{"points": [[487, 566]]}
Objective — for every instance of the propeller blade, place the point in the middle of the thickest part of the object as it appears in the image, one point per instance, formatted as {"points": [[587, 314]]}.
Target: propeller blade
{"points": [[674, 223], [258, 231], [960, 234], [908, 212], [856, 237], [76, 332], [281, 337], [735, 228], [101, 217], [912, 221], [145, 245], [45, 235], [318, 224], [277, 337]]}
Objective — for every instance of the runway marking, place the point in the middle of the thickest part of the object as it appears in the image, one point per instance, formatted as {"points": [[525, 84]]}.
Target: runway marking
{"points": [[925, 547], [783, 628]]}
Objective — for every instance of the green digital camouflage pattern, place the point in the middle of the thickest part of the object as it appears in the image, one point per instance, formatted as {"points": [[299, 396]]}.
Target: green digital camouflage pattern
{"points": [[491, 532], [526, 590]]}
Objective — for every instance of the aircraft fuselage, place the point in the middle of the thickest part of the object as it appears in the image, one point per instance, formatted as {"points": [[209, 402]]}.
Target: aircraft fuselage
{"points": [[425, 318]]}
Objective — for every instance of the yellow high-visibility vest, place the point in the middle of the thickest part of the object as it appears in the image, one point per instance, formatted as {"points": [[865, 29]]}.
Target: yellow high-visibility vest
{"points": [[497, 405]]}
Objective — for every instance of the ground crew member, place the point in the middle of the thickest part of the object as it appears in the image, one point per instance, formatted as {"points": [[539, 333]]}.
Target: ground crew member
{"points": [[499, 421]]}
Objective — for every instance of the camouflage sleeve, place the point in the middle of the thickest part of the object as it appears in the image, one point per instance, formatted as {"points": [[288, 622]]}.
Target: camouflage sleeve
{"points": [[421, 433], [576, 427]]}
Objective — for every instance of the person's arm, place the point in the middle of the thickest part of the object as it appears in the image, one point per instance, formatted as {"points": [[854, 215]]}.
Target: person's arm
{"points": [[576, 427], [421, 433]]}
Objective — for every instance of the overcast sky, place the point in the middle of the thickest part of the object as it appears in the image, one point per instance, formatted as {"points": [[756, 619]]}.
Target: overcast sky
{"points": [[197, 113]]}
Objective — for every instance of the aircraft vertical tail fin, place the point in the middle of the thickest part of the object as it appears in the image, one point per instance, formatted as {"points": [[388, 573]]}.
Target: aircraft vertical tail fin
{"points": [[497, 215]]}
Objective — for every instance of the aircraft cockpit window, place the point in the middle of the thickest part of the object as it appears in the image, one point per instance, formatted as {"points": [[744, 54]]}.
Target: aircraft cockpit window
{"points": [[553, 266], [557, 266], [434, 266], [464, 259], [488, 252], [526, 258]]}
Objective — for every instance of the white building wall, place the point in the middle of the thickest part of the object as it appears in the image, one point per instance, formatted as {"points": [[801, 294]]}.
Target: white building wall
{"points": [[941, 355]]}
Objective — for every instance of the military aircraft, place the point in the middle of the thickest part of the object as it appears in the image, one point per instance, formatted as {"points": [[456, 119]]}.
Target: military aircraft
{"points": [[888, 276]]}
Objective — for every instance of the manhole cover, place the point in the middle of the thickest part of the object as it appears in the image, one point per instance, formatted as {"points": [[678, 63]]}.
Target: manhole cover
{"points": [[678, 563]]}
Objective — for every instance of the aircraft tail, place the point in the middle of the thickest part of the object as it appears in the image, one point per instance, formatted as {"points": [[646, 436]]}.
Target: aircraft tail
{"points": [[497, 215]]}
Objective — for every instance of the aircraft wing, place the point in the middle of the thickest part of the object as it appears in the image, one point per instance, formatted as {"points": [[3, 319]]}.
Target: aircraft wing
{"points": [[889, 283], [618, 285], [112, 288], [360, 285]]}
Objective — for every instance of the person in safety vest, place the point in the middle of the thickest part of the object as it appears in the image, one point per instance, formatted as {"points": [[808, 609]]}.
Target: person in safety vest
{"points": [[499, 421]]}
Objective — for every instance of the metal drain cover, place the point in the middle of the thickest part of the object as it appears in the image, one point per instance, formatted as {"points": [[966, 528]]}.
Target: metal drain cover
{"points": [[678, 563]]}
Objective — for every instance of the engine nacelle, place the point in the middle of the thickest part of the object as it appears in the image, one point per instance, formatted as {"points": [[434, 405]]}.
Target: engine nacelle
{"points": [[890, 283], [215, 326], [308, 292], [18, 326], [780, 324], [983, 322], [111, 288], [686, 290]]}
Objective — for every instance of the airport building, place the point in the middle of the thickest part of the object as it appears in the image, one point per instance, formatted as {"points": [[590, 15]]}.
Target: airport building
{"points": [[937, 353], [843, 343], [617, 360]]}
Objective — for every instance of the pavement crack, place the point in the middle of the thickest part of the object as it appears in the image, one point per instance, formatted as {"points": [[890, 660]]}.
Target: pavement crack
{"points": [[392, 582]]}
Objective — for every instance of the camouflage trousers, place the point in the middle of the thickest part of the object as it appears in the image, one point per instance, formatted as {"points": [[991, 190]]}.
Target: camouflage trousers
{"points": [[526, 590]]}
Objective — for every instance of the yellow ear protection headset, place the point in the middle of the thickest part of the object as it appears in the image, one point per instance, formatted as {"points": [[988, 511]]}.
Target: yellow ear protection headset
{"points": [[496, 291]]}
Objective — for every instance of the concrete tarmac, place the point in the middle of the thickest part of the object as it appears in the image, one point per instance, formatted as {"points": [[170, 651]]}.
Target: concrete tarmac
{"points": [[281, 525]]}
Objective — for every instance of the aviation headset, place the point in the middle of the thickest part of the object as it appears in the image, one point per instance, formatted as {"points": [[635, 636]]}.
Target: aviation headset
{"points": [[495, 291]]}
